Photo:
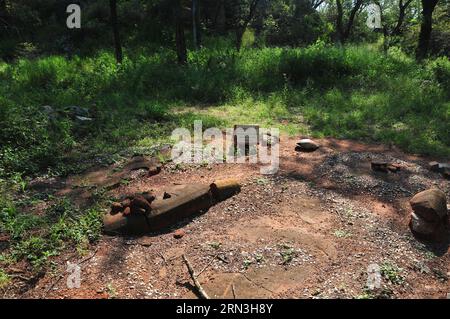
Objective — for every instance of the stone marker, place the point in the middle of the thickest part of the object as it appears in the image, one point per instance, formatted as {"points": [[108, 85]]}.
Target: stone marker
{"points": [[421, 226], [379, 166], [433, 166], [442, 168], [430, 213], [306, 145], [430, 205], [382, 166], [142, 216]]}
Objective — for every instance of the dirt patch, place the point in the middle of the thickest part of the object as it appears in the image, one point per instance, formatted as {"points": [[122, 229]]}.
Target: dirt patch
{"points": [[309, 231]]}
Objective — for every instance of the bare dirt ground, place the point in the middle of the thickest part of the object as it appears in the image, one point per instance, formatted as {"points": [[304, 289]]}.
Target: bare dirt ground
{"points": [[309, 231]]}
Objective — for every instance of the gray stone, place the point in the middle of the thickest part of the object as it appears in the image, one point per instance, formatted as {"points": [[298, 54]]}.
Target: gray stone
{"points": [[306, 145]]}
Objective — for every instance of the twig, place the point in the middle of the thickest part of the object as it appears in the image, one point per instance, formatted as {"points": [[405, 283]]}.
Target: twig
{"points": [[163, 258], [24, 278], [257, 284], [88, 258], [222, 259], [194, 278], [232, 290], [61, 276], [207, 265]]}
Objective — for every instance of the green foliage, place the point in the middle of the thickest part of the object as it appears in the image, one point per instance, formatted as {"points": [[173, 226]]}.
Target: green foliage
{"points": [[353, 92], [4, 279], [36, 238], [392, 273]]}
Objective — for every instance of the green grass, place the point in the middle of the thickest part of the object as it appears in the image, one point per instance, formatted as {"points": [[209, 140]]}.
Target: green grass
{"points": [[352, 92], [392, 273], [38, 237], [355, 92]]}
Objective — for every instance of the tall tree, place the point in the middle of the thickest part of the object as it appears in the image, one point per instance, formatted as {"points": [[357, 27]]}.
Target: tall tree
{"points": [[402, 6], [345, 30], [180, 39], [115, 28], [196, 23], [245, 21], [425, 28], [392, 23], [220, 17]]}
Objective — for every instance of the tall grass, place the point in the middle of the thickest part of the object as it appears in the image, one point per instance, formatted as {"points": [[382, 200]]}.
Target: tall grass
{"points": [[354, 92]]}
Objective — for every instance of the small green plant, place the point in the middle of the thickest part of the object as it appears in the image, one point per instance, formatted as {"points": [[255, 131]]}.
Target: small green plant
{"points": [[4, 279], [246, 263], [392, 273], [287, 254], [215, 245], [111, 291], [262, 181], [259, 258], [342, 233]]}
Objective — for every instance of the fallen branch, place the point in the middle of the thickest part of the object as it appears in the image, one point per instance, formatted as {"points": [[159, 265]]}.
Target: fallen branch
{"points": [[194, 278], [207, 265], [222, 259]]}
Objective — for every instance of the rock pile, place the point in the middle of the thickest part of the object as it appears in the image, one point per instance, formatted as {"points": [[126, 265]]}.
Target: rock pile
{"points": [[380, 166], [430, 215]]}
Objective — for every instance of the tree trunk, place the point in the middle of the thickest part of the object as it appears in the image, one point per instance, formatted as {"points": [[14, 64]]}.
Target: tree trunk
{"points": [[180, 39], [425, 28], [240, 30], [339, 18], [344, 34], [115, 27], [239, 34], [196, 24], [220, 19], [401, 16]]}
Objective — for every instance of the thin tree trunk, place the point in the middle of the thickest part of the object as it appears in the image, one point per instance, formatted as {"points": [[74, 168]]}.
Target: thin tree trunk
{"points": [[344, 34], [180, 39], [115, 27], [198, 23], [351, 18], [194, 22], [220, 17], [425, 28], [339, 18], [241, 29], [401, 16]]}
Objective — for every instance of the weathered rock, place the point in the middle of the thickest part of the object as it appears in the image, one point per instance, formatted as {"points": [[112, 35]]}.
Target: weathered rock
{"points": [[116, 207], [433, 166], [185, 201], [442, 168], [379, 166], [126, 202], [127, 211], [139, 203], [422, 227], [74, 111], [83, 119], [179, 233], [394, 168], [306, 145], [430, 205], [445, 171], [149, 196]]}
